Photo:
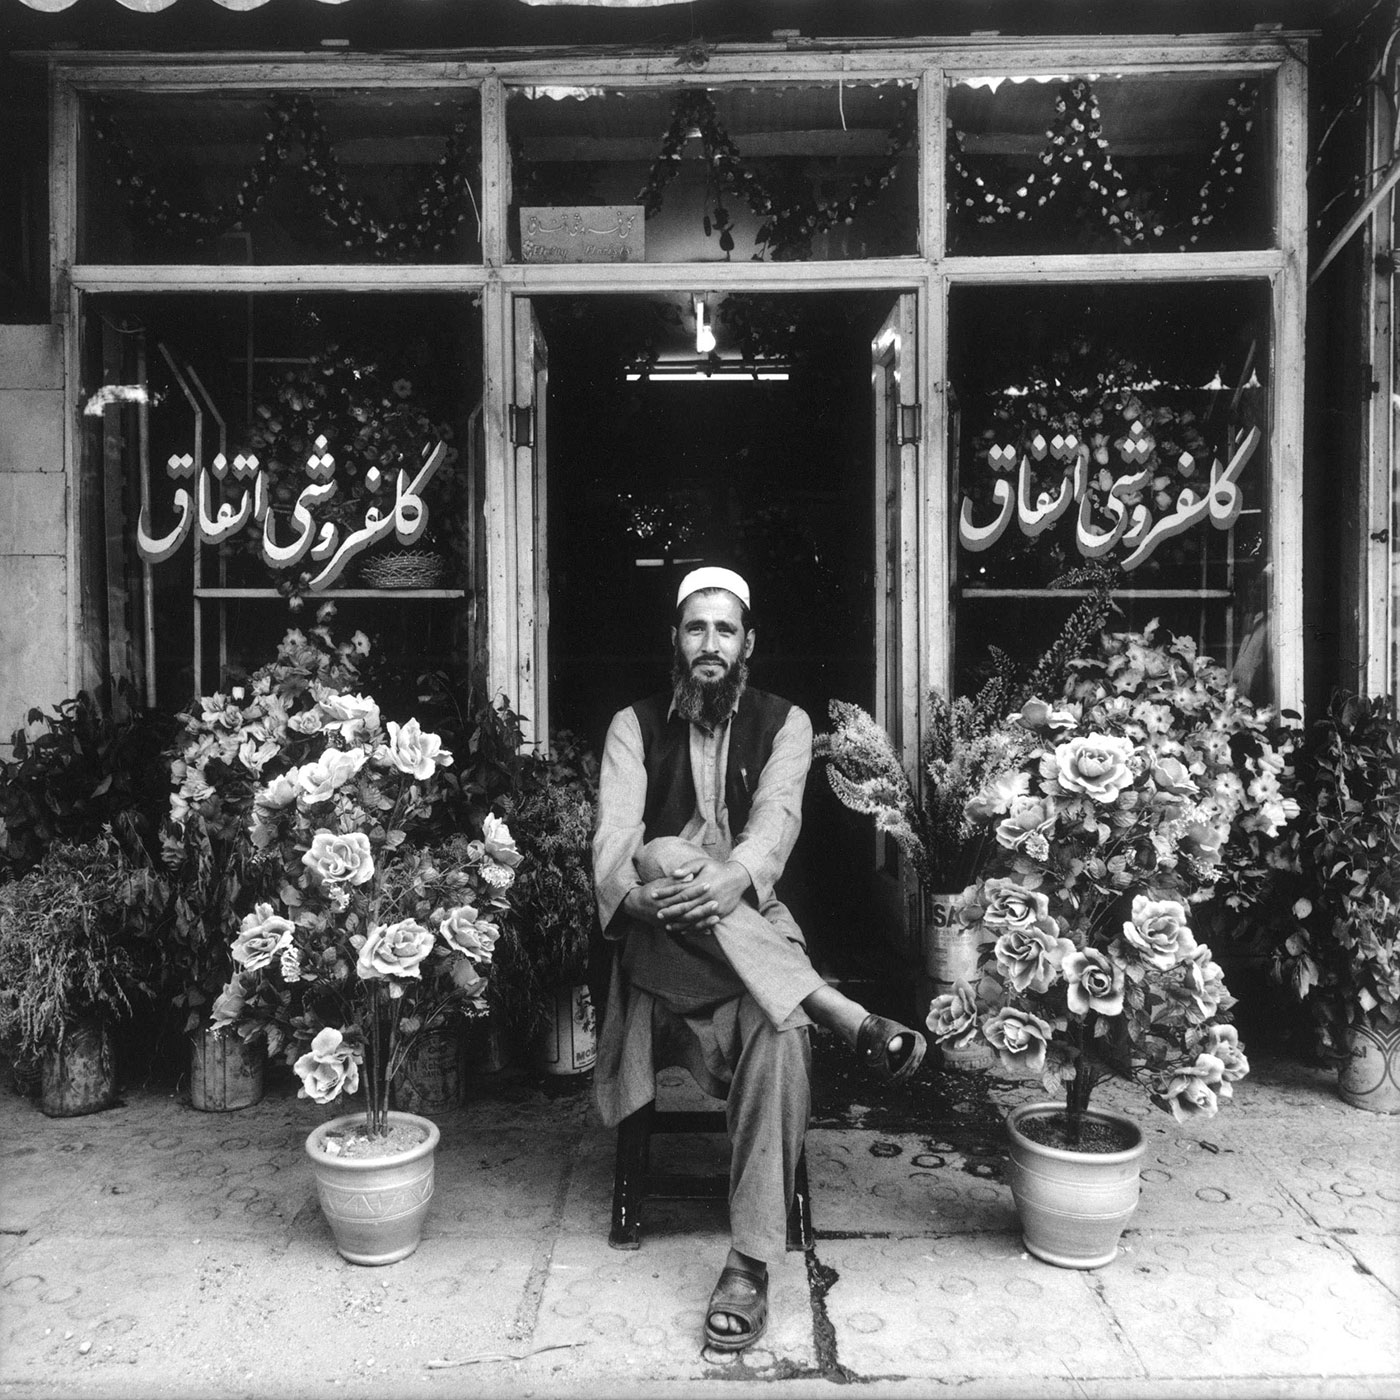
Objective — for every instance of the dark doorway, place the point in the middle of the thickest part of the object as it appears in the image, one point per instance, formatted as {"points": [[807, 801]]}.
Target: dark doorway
{"points": [[772, 476]]}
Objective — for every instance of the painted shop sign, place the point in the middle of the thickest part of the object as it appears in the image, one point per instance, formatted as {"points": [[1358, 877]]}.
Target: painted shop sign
{"points": [[214, 520], [606, 233], [1107, 513]]}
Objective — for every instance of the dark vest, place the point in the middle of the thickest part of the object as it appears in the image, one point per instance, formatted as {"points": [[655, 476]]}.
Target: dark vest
{"points": [[670, 802]]}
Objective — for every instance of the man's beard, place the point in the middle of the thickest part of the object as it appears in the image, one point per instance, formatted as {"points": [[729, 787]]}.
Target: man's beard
{"points": [[707, 703]]}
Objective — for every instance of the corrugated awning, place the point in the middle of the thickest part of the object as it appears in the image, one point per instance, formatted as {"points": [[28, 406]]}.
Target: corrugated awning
{"points": [[150, 7]]}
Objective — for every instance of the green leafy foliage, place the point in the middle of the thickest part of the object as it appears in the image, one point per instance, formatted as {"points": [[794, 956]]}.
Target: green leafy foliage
{"points": [[1340, 938], [98, 755], [79, 934]]}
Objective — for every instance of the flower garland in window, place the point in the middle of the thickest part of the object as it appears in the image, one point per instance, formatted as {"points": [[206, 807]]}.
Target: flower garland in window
{"points": [[440, 207], [1078, 148], [786, 229]]}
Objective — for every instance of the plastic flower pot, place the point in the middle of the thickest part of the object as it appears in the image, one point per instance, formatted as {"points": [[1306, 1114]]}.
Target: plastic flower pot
{"points": [[375, 1206], [1073, 1205], [1369, 1075], [226, 1071]]}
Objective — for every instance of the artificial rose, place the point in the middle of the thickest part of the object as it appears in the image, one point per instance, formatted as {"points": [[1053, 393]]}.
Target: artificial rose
{"points": [[1007, 905], [465, 931], [394, 950], [412, 751], [354, 717], [1172, 777], [997, 795], [1030, 959], [254, 756], [1192, 1093], [498, 842], [261, 937], [1158, 930], [280, 792], [329, 1068], [1038, 714], [1096, 765], [230, 1003], [1026, 817], [318, 781], [340, 859], [307, 722], [1223, 1041], [466, 978], [1205, 980], [952, 1016], [1095, 983], [1019, 1039]]}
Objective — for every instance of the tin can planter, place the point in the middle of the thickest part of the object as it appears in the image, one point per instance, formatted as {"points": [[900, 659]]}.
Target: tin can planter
{"points": [[79, 1072], [568, 1044], [1073, 1205], [226, 1071], [375, 1206], [1369, 1076], [431, 1077], [951, 951]]}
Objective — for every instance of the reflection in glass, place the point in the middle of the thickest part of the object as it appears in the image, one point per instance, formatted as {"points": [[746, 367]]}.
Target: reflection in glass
{"points": [[1111, 427], [776, 173], [295, 394], [1108, 163], [282, 177]]}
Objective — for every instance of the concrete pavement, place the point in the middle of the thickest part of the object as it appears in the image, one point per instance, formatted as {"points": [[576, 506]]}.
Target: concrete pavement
{"points": [[154, 1251]]}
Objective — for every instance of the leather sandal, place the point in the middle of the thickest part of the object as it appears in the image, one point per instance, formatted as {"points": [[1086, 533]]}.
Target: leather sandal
{"points": [[743, 1294], [873, 1048]]}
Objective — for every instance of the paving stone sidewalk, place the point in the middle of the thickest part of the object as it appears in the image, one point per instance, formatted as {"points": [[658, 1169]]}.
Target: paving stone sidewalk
{"points": [[154, 1251]]}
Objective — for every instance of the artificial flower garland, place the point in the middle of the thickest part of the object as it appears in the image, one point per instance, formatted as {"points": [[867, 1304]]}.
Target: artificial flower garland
{"points": [[441, 206], [783, 228], [1077, 146]]}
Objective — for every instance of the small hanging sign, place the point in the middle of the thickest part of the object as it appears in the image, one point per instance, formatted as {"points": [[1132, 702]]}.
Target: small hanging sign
{"points": [[606, 233]]}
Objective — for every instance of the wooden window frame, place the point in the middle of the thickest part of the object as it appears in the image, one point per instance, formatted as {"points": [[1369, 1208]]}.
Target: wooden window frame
{"points": [[930, 273]]}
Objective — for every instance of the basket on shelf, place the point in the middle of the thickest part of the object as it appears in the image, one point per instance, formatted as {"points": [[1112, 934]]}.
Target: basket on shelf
{"points": [[404, 568]]}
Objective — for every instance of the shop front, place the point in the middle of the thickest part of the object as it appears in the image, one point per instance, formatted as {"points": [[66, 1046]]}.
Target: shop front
{"points": [[931, 339]]}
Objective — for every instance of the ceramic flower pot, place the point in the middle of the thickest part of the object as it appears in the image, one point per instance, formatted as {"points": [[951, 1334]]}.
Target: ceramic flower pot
{"points": [[375, 1206], [1369, 1076], [80, 1075], [1073, 1205], [569, 1042], [226, 1071]]}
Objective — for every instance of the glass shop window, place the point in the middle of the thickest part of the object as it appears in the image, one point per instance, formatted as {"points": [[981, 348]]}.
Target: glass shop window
{"points": [[247, 459], [302, 176], [772, 173], [1107, 163], [1112, 436]]}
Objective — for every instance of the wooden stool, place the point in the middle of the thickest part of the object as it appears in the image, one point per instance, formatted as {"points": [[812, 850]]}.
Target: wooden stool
{"points": [[634, 1181]]}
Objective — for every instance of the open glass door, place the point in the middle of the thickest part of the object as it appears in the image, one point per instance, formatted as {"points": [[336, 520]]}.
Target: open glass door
{"points": [[531, 562], [894, 387]]}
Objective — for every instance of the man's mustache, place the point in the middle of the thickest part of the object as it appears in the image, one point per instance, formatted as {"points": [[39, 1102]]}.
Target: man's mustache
{"points": [[706, 660]]}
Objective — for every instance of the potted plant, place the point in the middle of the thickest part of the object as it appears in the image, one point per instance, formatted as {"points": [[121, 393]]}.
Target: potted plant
{"points": [[227, 747], [327, 973], [1108, 826], [78, 951], [541, 981], [1341, 948], [967, 739]]}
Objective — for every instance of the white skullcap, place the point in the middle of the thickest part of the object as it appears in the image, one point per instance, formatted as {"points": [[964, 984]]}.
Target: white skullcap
{"points": [[709, 577]]}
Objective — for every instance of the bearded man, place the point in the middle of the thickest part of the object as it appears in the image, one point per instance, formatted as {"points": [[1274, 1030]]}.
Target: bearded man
{"points": [[699, 807]]}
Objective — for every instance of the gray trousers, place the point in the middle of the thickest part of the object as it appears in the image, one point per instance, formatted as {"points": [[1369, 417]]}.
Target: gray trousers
{"points": [[756, 1046]]}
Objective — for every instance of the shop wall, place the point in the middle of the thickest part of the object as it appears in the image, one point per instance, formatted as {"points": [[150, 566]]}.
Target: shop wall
{"points": [[33, 539]]}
